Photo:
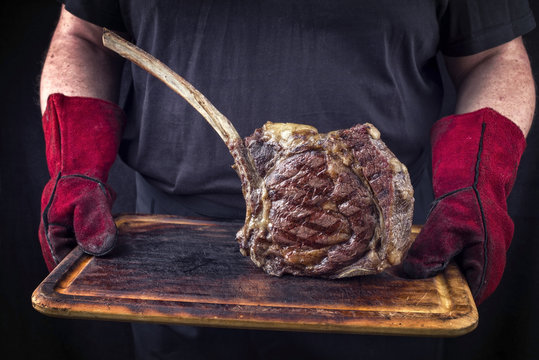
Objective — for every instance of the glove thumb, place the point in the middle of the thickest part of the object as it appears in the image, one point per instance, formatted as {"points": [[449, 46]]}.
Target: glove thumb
{"points": [[93, 224], [432, 250]]}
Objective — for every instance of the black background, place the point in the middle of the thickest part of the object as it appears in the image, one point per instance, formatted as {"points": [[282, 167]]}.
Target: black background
{"points": [[507, 327]]}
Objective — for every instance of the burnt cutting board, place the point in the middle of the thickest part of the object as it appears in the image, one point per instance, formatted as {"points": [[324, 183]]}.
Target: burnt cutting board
{"points": [[187, 271]]}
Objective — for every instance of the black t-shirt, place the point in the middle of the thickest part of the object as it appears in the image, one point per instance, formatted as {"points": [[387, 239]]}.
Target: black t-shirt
{"points": [[324, 63]]}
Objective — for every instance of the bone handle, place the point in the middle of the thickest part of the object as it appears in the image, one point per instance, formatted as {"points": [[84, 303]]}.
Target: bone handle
{"points": [[218, 121]]}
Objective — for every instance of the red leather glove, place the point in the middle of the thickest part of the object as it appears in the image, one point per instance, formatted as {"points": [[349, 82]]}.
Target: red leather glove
{"points": [[82, 136], [475, 157]]}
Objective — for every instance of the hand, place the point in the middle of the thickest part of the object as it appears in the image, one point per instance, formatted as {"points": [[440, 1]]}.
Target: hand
{"points": [[475, 160], [82, 136]]}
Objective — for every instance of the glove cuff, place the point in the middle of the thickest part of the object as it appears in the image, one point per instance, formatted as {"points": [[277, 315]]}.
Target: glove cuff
{"points": [[470, 148], [82, 135]]}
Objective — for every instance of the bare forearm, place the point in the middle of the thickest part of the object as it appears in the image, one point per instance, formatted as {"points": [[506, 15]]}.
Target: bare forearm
{"points": [[77, 64], [502, 80]]}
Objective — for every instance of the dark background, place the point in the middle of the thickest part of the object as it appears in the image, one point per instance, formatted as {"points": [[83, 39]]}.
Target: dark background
{"points": [[507, 327]]}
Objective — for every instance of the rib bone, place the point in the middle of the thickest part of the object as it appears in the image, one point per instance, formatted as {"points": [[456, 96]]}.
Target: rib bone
{"points": [[218, 121]]}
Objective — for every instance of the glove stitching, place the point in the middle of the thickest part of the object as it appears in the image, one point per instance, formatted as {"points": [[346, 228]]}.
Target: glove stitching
{"points": [[102, 186], [436, 201], [46, 223], [483, 219], [46, 220]]}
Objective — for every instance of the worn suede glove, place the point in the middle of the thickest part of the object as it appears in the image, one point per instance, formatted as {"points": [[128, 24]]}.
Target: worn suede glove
{"points": [[82, 136], [475, 158]]}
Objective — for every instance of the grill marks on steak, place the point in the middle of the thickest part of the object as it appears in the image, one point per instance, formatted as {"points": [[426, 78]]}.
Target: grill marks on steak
{"points": [[326, 201], [306, 200]]}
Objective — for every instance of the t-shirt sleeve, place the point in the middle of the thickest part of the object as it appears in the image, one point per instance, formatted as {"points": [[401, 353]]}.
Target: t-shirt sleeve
{"points": [[468, 27], [104, 13]]}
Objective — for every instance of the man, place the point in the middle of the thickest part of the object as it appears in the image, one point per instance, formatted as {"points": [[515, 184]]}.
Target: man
{"points": [[295, 61]]}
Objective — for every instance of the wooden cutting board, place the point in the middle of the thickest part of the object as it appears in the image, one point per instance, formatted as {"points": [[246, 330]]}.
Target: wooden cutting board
{"points": [[187, 271]]}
